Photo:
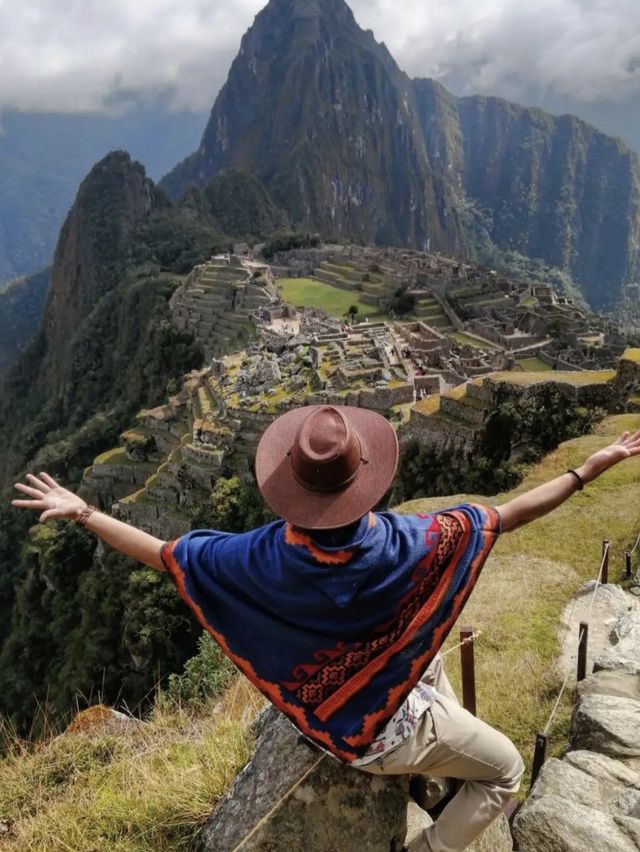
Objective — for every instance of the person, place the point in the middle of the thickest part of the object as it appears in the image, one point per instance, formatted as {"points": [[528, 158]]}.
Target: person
{"points": [[337, 611]]}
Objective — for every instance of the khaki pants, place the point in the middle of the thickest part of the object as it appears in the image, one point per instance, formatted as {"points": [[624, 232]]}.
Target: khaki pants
{"points": [[451, 743]]}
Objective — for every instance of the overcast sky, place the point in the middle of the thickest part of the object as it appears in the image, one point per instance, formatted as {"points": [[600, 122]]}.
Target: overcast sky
{"points": [[61, 55]]}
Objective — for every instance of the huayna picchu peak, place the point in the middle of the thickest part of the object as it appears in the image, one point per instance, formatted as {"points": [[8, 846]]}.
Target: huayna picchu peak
{"points": [[348, 145]]}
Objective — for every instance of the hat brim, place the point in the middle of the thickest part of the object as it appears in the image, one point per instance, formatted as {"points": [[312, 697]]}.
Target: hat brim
{"points": [[313, 510]]}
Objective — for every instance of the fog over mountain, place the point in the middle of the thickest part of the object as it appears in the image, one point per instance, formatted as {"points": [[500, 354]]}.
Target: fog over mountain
{"points": [[575, 56]]}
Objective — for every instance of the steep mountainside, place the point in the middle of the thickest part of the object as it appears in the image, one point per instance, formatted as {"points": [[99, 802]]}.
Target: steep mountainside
{"points": [[43, 158], [320, 113], [21, 305], [546, 186]]}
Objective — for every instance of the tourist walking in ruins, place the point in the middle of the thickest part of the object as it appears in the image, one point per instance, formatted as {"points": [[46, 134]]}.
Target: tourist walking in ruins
{"points": [[337, 612]]}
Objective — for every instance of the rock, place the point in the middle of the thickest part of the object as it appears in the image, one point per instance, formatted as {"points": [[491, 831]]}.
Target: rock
{"points": [[584, 785], [334, 808], [607, 724], [497, 838], [99, 719], [555, 824], [267, 374], [611, 602], [417, 821], [604, 768], [616, 682], [625, 650]]}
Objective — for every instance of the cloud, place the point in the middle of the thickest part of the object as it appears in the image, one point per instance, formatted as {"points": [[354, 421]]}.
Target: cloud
{"points": [[587, 50], [78, 55]]}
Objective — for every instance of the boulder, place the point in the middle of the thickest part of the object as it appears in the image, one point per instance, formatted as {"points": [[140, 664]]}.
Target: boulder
{"points": [[589, 783], [100, 719], [607, 724], [614, 682], [333, 807], [604, 768], [555, 824], [624, 652], [497, 838]]}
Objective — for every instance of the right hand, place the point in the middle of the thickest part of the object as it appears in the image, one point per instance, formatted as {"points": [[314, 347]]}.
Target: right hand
{"points": [[627, 446], [52, 500]]}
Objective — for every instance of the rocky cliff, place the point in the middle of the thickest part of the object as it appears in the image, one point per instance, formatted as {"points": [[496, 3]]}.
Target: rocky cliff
{"points": [[549, 187], [319, 112], [323, 116], [93, 250]]}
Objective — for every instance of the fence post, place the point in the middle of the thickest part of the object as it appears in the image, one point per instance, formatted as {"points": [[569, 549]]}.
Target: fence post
{"points": [[627, 564], [605, 561], [468, 670], [583, 643], [539, 757]]}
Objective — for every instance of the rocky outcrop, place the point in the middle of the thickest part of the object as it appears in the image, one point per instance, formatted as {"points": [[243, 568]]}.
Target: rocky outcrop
{"points": [[591, 798], [274, 805], [290, 796], [92, 252], [319, 112]]}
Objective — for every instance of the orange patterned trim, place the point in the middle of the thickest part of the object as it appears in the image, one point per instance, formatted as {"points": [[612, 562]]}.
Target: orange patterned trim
{"points": [[364, 676], [295, 537], [271, 690], [396, 695]]}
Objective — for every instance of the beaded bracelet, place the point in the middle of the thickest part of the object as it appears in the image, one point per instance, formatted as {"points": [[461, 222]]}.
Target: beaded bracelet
{"points": [[85, 514], [578, 477]]}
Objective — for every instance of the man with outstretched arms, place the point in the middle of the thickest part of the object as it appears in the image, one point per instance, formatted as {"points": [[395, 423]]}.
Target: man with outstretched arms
{"points": [[337, 612]]}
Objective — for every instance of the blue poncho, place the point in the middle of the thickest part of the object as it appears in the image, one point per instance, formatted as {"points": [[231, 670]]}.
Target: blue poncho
{"points": [[336, 638]]}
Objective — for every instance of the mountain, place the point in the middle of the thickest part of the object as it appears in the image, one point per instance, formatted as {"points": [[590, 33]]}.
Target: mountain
{"points": [[43, 158], [347, 144], [21, 304], [549, 187], [322, 115]]}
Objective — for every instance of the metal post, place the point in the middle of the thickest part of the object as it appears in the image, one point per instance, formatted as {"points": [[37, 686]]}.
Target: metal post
{"points": [[627, 564], [539, 757], [605, 561], [583, 642], [468, 670]]}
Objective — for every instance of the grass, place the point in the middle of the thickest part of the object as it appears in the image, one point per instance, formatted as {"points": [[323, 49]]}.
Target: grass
{"points": [[116, 456], [317, 294], [531, 576], [534, 365], [632, 355], [595, 377], [473, 341], [148, 789]]}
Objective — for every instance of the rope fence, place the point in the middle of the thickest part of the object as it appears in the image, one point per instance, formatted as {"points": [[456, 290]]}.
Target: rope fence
{"points": [[542, 737]]}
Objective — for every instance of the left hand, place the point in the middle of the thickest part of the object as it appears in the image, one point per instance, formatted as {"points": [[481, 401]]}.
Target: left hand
{"points": [[625, 447], [49, 498]]}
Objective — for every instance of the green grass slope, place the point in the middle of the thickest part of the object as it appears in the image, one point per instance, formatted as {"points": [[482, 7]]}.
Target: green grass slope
{"points": [[530, 577]]}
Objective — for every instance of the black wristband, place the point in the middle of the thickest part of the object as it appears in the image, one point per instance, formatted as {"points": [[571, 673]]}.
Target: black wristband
{"points": [[578, 477]]}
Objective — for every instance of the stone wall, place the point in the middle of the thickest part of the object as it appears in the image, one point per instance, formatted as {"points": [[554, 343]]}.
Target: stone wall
{"points": [[590, 799]]}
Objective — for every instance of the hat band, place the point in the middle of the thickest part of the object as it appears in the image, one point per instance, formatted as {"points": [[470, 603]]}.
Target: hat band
{"points": [[327, 489]]}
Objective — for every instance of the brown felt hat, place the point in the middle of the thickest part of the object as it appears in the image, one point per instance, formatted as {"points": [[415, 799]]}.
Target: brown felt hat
{"points": [[325, 466]]}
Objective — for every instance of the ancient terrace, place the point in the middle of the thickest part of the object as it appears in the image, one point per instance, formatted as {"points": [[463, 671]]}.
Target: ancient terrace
{"points": [[170, 459]]}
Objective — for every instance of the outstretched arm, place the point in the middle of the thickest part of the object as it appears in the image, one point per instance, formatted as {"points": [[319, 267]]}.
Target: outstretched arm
{"points": [[56, 503], [545, 498]]}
